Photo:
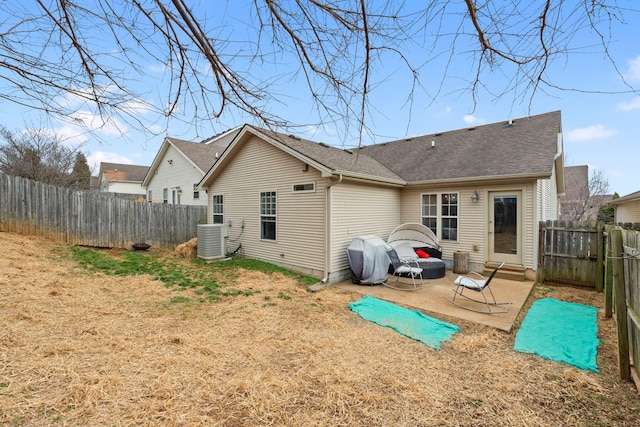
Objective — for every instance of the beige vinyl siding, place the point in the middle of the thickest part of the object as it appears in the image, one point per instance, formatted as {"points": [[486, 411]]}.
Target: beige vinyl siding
{"points": [[530, 226], [359, 209], [473, 220], [628, 212], [258, 166], [547, 196]]}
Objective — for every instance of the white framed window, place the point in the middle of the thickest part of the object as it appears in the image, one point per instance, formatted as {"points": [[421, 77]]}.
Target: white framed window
{"points": [[307, 187], [268, 209], [165, 195], [217, 205], [440, 214], [149, 196], [196, 193]]}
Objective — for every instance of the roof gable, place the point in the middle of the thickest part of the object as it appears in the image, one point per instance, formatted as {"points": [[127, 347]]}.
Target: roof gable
{"points": [[201, 154], [329, 160]]}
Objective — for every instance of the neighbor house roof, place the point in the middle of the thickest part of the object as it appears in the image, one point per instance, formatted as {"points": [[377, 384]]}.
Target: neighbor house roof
{"points": [[633, 197], [521, 147], [576, 180], [201, 154], [121, 172]]}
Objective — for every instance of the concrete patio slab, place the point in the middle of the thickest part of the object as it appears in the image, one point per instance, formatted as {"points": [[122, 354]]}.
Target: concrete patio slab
{"points": [[431, 299]]}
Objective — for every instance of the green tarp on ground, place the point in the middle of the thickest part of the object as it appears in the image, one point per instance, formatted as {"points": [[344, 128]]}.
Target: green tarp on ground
{"points": [[561, 331], [410, 323]]}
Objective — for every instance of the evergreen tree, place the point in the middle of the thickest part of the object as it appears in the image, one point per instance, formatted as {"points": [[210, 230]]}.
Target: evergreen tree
{"points": [[81, 172]]}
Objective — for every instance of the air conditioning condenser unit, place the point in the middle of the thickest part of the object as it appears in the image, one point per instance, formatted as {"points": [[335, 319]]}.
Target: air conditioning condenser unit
{"points": [[211, 241]]}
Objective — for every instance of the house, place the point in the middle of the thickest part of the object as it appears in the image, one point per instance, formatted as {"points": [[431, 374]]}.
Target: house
{"points": [[124, 180], [299, 203], [627, 208], [576, 185], [577, 203], [179, 166]]}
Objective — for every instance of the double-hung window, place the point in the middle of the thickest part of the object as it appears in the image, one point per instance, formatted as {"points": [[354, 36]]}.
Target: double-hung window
{"points": [[218, 208], [440, 214], [268, 215]]}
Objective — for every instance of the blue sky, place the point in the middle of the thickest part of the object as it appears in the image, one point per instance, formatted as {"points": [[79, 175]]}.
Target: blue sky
{"points": [[601, 129]]}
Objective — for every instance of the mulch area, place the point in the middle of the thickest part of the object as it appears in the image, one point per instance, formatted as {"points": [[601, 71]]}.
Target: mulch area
{"points": [[79, 348]]}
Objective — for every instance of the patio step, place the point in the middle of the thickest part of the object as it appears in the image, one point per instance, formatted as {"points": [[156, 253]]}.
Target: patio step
{"points": [[509, 272]]}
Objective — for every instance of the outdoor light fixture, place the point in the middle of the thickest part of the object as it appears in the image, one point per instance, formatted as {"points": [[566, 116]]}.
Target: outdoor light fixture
{"points": [[475, 197]]}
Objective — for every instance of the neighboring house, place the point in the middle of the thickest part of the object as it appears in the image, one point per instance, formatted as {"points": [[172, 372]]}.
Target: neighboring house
{"points": [[124, 180], [577, 204], [627, 208], [179, 166], [576, 186], [299, 203]]}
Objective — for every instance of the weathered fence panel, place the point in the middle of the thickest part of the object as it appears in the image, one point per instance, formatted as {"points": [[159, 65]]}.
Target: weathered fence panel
{"points": [[91, 218], [631, 262], [571, 253]]}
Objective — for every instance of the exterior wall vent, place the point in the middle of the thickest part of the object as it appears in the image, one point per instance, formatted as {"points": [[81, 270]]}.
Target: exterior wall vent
{"points": [[211, 243]]}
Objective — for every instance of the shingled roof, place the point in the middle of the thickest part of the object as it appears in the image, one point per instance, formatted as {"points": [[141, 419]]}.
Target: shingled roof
{"points": [[121, 172], [525, 146], [515, 148], [202, 155]]}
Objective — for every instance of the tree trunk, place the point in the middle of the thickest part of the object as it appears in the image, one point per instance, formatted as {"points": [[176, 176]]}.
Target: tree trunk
{"points": [[461, 262]]}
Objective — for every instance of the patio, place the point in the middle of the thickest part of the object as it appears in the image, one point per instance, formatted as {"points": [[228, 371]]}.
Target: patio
{"points": [[431, 299]]}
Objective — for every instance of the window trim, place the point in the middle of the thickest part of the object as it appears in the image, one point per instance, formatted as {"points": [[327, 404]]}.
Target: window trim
{"points": [[439, 214], [215, 214], [264, 216]]}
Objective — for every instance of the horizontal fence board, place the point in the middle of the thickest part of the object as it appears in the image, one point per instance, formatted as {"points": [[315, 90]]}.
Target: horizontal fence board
{"points": [[91, 218]]}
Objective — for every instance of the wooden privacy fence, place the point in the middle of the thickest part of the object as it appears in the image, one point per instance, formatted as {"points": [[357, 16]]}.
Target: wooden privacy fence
{"points": [[92, 218], [622, 296], [571, 253]]}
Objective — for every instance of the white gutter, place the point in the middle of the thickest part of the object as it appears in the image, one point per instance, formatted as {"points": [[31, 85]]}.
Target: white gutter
{"points": [[327, 230]]}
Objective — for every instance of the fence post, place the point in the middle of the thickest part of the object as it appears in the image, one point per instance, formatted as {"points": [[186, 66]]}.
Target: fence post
{"points": [[600, 257], [608, 279], [620, 301]]}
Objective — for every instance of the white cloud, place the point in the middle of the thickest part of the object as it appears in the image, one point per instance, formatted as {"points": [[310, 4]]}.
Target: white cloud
{"points": [[94, 159], [159, 68], [93, 122], [471, 119], [633, 75], [631, 105], [589, 133]]}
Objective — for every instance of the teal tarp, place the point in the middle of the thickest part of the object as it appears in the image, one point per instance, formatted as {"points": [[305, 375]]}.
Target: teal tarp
{"points": [[561, 331], [410, 323]]}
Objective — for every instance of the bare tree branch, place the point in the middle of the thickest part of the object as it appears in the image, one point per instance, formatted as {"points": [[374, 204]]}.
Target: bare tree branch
{"points": [[63, 57]]}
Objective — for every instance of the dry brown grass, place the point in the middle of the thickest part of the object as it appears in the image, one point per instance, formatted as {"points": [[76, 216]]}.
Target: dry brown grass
{"points": [[89, 349], [188, 250]]}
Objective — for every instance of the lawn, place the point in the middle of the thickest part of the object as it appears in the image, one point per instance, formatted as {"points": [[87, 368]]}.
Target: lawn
{"points": [[113, 338]]}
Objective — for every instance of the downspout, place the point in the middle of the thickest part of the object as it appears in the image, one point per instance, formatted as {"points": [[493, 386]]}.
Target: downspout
{"points": [[327, 230]]}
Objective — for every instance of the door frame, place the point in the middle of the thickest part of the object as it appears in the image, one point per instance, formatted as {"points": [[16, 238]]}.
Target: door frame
{"points": [[492, 255]]}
